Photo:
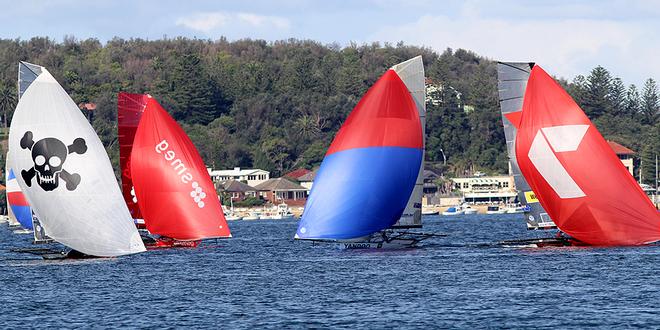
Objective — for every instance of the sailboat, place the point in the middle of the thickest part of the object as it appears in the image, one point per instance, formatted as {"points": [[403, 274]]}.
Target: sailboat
{"points": [[574, 173], [65, 173], [173, 188], [130, 108], [367, 192], [18, 209], [512, 81]]}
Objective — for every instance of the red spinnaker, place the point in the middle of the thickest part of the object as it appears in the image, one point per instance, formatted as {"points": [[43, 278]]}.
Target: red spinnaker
{"points": [[129, 111], [576, 176], [174, 190], [385, 116]]}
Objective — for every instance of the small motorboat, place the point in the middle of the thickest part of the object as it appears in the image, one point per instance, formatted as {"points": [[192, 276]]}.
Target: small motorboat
{"points": [[430, 211], [467, 209], [282, 213], [253, 216], [494, 209], [453, 210]]}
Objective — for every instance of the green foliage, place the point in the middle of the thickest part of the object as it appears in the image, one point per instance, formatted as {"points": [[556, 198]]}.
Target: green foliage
{"points": [[249, 202], [278, 105]]}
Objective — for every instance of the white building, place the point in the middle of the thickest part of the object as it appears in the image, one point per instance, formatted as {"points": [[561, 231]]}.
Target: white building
{"points": [[252, 177], [486, 189]]}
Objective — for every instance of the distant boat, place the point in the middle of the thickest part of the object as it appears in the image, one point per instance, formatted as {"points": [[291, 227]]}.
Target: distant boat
{"points": [[494, 209], [65, 173], [576, 176], [512, 82], [130, 108], [453, 210], [253, 215], [368, 189], [467, 209], [282, 212], [174, 191]]}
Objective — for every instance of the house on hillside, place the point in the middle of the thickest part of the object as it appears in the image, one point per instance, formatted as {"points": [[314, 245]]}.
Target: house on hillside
{"points": [[237, 190], [251, 177], [296, 174], [625, 154], [282, 190], [307, 180]]}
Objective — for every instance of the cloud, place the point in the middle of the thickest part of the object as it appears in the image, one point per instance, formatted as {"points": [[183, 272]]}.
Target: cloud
{"points": [[209, 22], [565, 46]]}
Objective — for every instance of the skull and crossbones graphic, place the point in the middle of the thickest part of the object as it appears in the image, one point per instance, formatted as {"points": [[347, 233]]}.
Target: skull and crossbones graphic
{"points": [[49, 155]]}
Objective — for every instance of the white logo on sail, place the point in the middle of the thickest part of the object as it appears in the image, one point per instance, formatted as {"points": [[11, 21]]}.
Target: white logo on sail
{"points": [[560, 139]]}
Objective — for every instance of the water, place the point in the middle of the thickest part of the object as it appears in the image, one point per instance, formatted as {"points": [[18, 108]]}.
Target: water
{"points": [[262, 278]]}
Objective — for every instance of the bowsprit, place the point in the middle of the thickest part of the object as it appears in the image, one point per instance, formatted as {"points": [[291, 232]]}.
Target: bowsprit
{"points": [[49, 155]]}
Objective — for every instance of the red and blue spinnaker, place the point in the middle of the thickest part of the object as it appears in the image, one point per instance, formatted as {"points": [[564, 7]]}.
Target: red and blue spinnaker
{"points": [[370, 169], [17, 202]]}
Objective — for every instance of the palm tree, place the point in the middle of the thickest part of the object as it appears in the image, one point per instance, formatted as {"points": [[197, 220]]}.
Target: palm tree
{"points": [[7, 101]]}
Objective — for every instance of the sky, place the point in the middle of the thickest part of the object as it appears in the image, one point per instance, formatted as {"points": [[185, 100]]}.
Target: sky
{"points": [[566, 38]]}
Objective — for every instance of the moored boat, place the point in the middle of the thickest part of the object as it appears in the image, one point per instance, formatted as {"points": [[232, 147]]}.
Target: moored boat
{"points": [[453, 210]]}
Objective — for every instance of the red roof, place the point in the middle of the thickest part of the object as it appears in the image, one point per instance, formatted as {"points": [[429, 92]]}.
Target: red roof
{"points": [[619, 149], [295, 174]]}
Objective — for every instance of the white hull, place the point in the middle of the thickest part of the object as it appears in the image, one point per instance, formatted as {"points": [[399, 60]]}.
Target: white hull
{"points": [[393, 244], [452, 213], [22, 231], [496, 212], [233, 218]]}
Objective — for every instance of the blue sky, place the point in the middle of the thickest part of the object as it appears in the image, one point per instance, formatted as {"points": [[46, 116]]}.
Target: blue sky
{"points": [[565, 37]]}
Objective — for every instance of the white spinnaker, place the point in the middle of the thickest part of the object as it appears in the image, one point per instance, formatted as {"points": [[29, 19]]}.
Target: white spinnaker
{"points": [[411, 73], [12, 218], [92, 218]]}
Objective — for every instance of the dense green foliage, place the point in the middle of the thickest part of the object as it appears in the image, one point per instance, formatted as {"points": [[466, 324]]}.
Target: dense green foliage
{"points": [[278, 105]]}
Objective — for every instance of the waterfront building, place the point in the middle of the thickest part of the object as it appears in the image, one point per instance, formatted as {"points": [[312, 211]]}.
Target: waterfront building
{"points": [[251, 177], [237, 190], [282, 190], [486, 189]]}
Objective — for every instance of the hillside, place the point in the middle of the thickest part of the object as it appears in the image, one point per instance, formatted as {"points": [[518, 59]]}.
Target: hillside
{"points": [[277, 105]]}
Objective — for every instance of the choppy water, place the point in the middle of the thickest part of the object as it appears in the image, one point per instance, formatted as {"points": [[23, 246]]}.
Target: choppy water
{"points": [[262, 278]]}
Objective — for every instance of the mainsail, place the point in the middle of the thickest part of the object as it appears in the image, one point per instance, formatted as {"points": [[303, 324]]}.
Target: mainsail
{"points": [[512, 82], [371, 168], [65, 174], [577, 177], [17, 206], [174, 190], [27, 73], [411, 73], [130, 108]]}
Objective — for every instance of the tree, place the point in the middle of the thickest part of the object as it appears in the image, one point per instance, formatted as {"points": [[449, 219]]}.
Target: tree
{"points": [[650, 102], [617, 97], [597, 96], [7, 102], [633, 102]]}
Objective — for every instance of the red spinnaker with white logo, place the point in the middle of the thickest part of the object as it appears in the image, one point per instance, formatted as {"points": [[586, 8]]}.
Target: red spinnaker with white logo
{"points": [[575, 174], [130, 108], [173, 188]]}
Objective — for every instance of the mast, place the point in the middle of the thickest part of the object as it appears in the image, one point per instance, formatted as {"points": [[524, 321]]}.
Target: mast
{"points": [[512, 82]]}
